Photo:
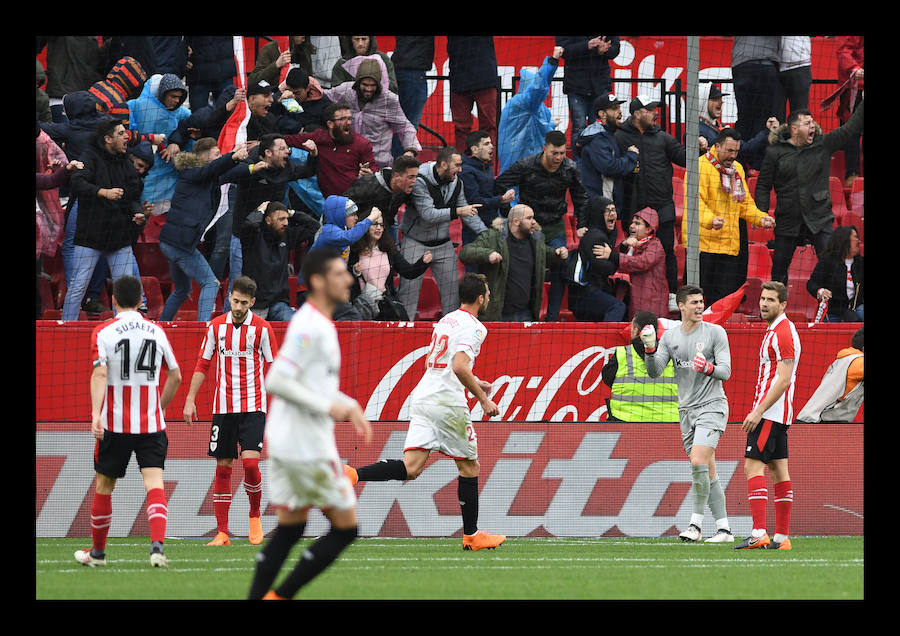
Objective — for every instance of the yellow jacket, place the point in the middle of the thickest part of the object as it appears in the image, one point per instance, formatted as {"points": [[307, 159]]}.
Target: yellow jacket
{"points": [[714, 201]]}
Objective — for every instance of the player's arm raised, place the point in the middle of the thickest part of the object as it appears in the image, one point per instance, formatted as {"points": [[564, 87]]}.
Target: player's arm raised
{"points": [[468, 379], [656, 353], [783, 380]]}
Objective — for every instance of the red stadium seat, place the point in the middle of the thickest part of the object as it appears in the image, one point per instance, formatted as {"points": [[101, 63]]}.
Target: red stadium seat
{"points": [[46, 294], [759, 261], [680, 259], [803, 263], [750, 304], [678, 198], [838, 202], [154, 296], [759, 234], [186, 314], [571, 237], [855, 219], [751, 186], [837, 165], [857, 195], [678, 171], [429, 300], [565, 314]]}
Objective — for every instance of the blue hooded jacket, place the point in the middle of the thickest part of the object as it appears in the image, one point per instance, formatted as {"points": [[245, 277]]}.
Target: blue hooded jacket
{"points": [[334, 233], [525, 120]]}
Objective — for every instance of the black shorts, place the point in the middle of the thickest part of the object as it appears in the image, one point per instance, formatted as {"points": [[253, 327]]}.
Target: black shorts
{"points": [[230, 429], [767, 441], [113, 452]]}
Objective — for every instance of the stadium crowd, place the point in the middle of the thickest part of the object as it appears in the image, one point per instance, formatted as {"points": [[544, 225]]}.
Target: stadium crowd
{"points": [[132, 178]]}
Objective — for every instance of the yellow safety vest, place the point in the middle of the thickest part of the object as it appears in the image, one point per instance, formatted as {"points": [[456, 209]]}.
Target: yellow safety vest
{"points": [[636, 397]]}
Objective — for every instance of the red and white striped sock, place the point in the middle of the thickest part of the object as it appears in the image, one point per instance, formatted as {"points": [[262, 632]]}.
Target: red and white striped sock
{"points": [[157, 514], [222, 497], [101, 517], [758, 497], [784, 499], [252, 483]]}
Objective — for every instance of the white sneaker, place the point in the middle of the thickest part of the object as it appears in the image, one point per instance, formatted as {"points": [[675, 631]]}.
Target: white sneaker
{"points": [[673, 306], [158, 560], [84, 558], [721, 536], [691, 535]]}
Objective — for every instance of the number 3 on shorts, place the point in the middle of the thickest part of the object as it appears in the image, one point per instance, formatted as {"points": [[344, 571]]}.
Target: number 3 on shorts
{"points": [[213, 438]]}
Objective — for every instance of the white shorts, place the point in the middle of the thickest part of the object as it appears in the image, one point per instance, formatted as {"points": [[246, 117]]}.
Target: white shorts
{"points": [[446, 429], [318, 484]]}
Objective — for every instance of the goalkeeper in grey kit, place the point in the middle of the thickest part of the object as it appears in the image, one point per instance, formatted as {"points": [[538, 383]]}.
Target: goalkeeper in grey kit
{"points": [[702, 359]]}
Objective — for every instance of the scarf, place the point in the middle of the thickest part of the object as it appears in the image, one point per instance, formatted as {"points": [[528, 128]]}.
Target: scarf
{"points": [[640, 244], [731, 178]]}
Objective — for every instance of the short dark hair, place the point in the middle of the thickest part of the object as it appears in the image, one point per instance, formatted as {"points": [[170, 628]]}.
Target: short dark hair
{"points": [[444, 155], [274, 206], [267, 142], [127, 291], [297, 78], [471, 286], [404, 163], [642, 318], [555, 138], [779, 288], [727, 133], [244, 285], [316, 262], [687, 290], [857, 340], [106, 127], [331, 109], [795, 115], [204, 144], [475, 137]]}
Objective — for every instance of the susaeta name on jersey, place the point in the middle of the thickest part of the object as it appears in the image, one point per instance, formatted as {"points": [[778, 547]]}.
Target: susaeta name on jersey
{"points": [[141, 325]]}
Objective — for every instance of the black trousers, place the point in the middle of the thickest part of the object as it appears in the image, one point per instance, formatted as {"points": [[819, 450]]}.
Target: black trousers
{"points": [[785, 246], [793, 87], [719, 275], [755, 85]]}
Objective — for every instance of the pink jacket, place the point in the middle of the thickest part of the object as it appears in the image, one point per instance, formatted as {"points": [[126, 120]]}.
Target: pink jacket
{"points": [[646, 266]]}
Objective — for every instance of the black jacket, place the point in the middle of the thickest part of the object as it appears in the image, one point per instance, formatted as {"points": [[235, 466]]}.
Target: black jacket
{"points": [[800, 177], [651, 186], [473, 63], [831, 274], [266, 255], [545, 191], [212, 59], [414, 52], [104, 224], [371, 191], [585, 71]]}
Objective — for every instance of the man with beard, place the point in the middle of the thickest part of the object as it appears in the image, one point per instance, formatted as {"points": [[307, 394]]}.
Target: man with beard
{"points": [[602, 163], [387, 190], [269, 235], [376, 111], [438, 197], [344, 155]]}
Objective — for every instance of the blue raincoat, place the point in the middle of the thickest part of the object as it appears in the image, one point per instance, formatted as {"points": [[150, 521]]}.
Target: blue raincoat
{"points": [[525, 120]]}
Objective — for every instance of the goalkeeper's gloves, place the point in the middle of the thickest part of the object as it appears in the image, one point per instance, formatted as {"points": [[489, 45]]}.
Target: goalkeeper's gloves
{"points": [[648, 337], [702, 365]]}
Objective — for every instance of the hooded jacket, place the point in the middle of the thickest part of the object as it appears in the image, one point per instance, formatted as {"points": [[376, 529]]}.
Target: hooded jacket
{"points": [[495, 240], [380, 118], [73, 64], [651, 186], [714, 201], [334, 227], [525, 119], [195, 198], [800, 177], [339, 73], [427, 218], [646, 267], [124, 81], [80, 128], [149, 115], [104, 224], [603, 164]]}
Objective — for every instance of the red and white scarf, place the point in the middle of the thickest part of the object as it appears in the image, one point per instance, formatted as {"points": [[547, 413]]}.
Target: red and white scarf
{"points": [[731, 178]]}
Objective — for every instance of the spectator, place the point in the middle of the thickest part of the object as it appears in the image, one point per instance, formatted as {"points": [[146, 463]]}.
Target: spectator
{"points": [[842, 389], [360, 45], [376, 111], [388, 190], [125, 81], [438, 198], [210, 68], [642, 257], [78, 127], [838, 277], [651, 185], [344, 154], [311, 103], [73, 64], [193, 204], [544, 180], [723, 200], [341, 226], [259, 101], [850, 65], [634, 395], [208, 119], [138, 47], [374, 259], [42, 99], [586, 74], [478, 182], [794, 75], [754, 69], [513, 257], [170, 52], [798, 164], [593, 298], [268, 236], [473, 81], [256, 185], [272, 59], [158, 110], [110, 213], [413, 56], [525, 119], [602, 163], [325, 51], [610, 214]]}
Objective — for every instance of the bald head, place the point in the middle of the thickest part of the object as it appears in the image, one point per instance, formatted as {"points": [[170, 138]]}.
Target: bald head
{"points": [[521, 221]]}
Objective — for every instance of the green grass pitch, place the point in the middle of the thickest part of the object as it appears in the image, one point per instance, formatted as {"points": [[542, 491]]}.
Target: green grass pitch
{"points": [[438, 569]]}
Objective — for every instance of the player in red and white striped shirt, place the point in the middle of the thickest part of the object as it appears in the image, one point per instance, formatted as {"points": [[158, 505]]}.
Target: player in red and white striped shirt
{"points": [[767, 424], [241, 342], [127, 415]]}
